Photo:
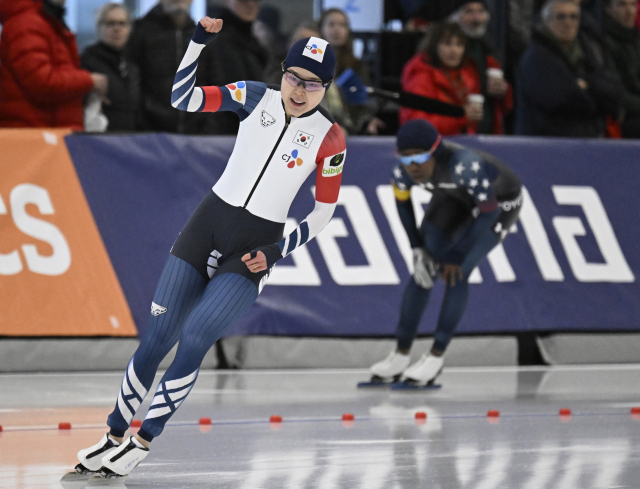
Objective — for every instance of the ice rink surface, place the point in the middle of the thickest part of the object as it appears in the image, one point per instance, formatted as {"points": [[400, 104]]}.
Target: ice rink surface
{"points": [[529, 446]]}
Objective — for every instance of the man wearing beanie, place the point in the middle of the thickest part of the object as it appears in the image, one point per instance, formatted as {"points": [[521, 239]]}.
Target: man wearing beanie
{"points": [[473, 18], [476, 199], [222, 258]]}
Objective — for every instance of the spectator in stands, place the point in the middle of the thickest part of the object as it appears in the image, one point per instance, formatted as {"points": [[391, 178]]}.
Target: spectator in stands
{"points": [[564, 89], [41, 82], [473, 17], [358, 117], [417, 13], [157, 44], [237, 55], [442, 70], [266, 29], [622, 40], [107, 56], [305, 29]]}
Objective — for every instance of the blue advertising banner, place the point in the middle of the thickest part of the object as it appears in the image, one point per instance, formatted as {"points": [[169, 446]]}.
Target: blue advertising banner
{"points": [[570, 263]]}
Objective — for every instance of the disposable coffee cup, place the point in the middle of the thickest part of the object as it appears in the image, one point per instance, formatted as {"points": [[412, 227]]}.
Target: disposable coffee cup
{"points": [[495, 73], [476, 99]]}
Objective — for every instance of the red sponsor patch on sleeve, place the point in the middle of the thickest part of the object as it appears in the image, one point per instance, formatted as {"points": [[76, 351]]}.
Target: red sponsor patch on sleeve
{"points": [[333, 143], [213, 99]]}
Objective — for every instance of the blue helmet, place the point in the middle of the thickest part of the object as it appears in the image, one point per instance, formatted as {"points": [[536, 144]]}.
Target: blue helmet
{"points": [[313, 54]]}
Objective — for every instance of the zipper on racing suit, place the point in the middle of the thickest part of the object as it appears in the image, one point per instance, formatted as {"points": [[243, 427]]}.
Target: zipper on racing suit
{"points": [[264, 168]]}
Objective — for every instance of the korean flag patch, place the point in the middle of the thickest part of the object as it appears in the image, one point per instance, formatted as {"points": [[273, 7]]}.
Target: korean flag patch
{"points": [[238, 91], [315, 49], [303, 139], [333, 165]]}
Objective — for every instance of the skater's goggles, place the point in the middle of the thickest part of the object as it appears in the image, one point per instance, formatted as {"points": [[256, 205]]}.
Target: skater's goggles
{"points": [[309, 85], [420, 158]]}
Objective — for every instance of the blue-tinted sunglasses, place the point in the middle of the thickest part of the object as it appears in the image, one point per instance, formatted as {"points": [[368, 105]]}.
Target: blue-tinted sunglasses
{"points": [[419, 158]]}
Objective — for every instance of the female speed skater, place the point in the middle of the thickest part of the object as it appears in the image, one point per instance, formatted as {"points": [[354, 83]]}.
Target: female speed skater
{"points": [[222, 258], [476, 199]]}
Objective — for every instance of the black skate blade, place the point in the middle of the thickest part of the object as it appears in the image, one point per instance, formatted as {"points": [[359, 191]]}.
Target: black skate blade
{"points": [[378, 382], [408, 385]]}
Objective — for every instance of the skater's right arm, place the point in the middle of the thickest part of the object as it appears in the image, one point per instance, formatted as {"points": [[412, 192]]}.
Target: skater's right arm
{"points": [[240, 97], [402, 190]]}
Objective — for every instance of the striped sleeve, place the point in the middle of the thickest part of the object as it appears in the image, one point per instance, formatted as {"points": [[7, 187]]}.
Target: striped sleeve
{"points": [[240, 97]]}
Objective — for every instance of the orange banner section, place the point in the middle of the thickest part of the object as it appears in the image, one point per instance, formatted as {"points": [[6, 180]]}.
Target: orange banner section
{"points": [[56, 278]]}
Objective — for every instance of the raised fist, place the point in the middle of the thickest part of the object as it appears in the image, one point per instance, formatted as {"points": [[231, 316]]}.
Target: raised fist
{"points": [[212, 26]]}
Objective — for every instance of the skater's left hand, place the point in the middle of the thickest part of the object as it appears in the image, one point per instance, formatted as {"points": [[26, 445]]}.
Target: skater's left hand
{"points": [[450, 273], [212, 26], [257, 264]]}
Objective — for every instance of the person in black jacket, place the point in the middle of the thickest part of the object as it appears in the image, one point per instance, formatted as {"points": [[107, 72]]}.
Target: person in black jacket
{"points": [[122, 103], [622, 40], [565, 87], [473, 17], [237, 55], [157, 44]]}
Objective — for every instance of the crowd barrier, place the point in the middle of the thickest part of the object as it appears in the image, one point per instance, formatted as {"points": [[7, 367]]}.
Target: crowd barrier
{"points": [[87, 221]]}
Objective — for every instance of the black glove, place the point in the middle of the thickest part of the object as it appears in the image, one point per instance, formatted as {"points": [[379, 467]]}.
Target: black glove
{"points": [[271, 252], [201, 36]]}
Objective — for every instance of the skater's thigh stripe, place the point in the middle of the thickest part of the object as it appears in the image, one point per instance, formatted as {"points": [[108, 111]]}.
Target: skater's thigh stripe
{"points": [[174, 396], [135, 383], [176, 384], [132, 393], [132, 406], [157, 412], [124, 409], [159, 399], [134, 403], [126, 390]]}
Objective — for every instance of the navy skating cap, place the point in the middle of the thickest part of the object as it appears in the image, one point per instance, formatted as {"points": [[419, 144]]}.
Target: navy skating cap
{"points": [[417, 134], [313, 54]]}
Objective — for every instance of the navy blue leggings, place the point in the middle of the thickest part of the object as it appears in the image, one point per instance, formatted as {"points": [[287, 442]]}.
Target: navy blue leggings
{"points": [[415, 298], [195, 311]]}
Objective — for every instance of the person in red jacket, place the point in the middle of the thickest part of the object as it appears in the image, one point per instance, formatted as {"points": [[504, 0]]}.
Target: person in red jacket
{"points": [[442, 70], [41, 83]]}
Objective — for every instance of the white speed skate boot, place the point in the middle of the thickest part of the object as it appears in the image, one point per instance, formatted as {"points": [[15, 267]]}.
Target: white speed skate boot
{"points": [[120, 462], [91, 459], [388, 370], [424, 372]]}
